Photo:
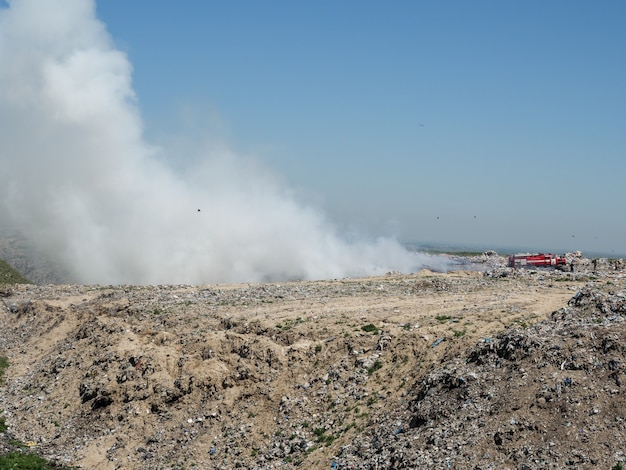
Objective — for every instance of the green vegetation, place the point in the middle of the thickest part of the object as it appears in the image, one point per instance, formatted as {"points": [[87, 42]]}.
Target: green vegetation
{"points": [[4, 363], [370, 328], [331, 402], [374, 367], [443, 318], [322, 437], [20, 460], [23, 461], [18, 444], [289, 324], [8, 275]]}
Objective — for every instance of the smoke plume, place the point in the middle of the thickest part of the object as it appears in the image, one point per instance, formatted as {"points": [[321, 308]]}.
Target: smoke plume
{"points": [[80, 180]]}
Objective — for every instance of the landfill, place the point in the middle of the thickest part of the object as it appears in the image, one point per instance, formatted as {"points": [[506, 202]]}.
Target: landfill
{"points": [[485, 368]]}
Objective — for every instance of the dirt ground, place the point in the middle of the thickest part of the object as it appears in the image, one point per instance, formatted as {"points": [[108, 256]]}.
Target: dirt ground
{"points": [[497, 368]]}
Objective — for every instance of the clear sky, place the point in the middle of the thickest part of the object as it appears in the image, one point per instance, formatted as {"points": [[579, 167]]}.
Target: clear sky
{"points": [[483, 122]]}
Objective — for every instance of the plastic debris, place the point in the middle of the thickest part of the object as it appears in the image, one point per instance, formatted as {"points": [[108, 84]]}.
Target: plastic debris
{"points": [[438, 342]]}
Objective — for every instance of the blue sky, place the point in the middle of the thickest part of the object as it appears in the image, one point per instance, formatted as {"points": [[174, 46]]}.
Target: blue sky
{"points": [[486, 123]]}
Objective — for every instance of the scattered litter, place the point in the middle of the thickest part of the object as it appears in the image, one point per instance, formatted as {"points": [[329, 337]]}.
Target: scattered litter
{"points": [[417, 413], [438, 342]]}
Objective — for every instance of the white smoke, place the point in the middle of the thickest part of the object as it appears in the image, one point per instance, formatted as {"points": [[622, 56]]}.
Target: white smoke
{"points": [[78, 177]]}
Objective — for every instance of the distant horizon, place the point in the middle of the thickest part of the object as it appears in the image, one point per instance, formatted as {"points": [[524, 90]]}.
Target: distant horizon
{"points": [[452, 248], [444, 248]]}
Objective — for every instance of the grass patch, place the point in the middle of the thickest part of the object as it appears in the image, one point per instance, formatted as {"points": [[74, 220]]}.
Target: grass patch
{"points": [[289, 324], [21, 460], [370, 328], [322, 437], [443, 318], [18, 444], [4, 364], [25, 461], [374, 367], [8, 275], [522, 322]]}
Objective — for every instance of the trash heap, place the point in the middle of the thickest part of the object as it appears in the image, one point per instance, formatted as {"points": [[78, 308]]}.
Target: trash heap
{"points": [[549, 396], [490, 369]]}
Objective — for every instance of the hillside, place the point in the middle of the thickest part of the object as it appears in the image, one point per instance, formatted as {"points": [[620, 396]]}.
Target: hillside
{"points": [[8, 275], [494, 369], [21, 255]]}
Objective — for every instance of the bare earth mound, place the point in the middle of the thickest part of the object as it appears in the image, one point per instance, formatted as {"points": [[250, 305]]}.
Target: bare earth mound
{"points": [[501, 369]]}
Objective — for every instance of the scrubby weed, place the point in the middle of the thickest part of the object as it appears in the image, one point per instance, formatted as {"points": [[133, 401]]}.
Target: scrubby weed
{"points": [[25, 461], [4, 363], [8, 275], [370, 328], [374, 367], [289, 324], [323, 438]]}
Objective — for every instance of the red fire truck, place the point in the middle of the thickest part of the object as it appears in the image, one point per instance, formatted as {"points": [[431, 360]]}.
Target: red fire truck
{"points": [[521, 260]]}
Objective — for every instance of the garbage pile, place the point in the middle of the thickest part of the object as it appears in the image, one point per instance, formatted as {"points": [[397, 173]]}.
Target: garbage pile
{"points": [[445, 370], [549, 396]]}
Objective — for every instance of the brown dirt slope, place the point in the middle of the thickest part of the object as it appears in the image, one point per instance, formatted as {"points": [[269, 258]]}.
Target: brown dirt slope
{"points": [[461, 370]]}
